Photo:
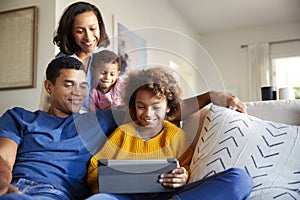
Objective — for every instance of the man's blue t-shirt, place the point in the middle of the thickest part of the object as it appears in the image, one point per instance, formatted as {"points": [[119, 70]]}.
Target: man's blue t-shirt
{"points": [[56, 150]]}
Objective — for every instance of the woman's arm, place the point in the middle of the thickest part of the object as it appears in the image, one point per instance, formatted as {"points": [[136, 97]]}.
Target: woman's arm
{"points": [[193, 104]]}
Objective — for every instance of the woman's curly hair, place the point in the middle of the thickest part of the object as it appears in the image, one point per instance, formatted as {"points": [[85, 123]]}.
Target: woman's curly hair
{"points": [[158, 80]]}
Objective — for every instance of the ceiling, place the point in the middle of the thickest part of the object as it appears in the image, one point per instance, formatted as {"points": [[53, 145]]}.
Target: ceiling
{"points": [[223, 15]]}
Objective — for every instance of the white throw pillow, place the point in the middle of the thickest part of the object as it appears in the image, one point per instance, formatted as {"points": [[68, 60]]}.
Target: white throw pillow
{"points": [[267, 151]]}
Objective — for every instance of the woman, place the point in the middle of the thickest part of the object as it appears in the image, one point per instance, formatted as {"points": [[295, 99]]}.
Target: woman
{"points": [[80, 32]]}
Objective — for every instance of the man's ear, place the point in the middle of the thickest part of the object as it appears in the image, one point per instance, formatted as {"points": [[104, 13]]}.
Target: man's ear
{"points": [[48, 86]]}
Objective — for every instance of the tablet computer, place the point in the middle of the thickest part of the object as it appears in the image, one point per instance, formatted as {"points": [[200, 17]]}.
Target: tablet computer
{"points": [[133, 176]]}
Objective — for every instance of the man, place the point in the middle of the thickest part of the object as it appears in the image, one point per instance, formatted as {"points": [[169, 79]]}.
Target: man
{"points": [[45, 147], [44, 155]]}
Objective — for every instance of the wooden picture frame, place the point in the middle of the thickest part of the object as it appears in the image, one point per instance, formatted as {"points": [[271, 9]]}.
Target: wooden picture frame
{"points": [[18, 48]]}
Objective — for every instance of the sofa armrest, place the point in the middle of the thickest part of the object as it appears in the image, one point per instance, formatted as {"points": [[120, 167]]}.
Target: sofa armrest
{"points": [[193, 124]]}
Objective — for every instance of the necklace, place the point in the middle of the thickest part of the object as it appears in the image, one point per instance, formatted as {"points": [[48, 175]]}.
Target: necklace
{"points": [[138, 134]]}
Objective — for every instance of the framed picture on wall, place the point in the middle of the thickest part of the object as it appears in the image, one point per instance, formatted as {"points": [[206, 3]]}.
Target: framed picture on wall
{"points": [[18, 48], [130, 46]]}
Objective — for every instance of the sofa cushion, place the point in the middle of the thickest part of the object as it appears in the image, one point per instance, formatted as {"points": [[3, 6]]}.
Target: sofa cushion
{"points": [[267, 150], [282, 111]]}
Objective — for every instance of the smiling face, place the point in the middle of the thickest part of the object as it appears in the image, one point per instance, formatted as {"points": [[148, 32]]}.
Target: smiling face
{"points": [[108, 76], [150, 110], [68, 93], [86, 32]]}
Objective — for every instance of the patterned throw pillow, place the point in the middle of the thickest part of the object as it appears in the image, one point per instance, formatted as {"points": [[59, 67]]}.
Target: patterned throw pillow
{"points": [[267, 151]]}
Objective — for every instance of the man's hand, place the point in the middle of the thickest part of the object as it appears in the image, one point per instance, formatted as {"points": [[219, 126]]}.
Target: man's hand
{"points": [[8, 188], [8, 151], [228, 101], [176, 178]]}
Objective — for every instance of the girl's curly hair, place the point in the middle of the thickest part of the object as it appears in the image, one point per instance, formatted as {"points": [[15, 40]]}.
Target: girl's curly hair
{"points": [[158, 80]]}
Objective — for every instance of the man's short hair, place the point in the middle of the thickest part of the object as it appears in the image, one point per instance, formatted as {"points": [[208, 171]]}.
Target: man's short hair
{"points": [[66, 62]]}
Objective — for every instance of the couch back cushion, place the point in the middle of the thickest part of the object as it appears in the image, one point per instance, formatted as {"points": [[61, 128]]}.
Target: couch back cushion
{"points": [[282, 111]]}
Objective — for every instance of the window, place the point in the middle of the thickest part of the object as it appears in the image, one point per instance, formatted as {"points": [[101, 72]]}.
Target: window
{"points": [[285, 60], [287, 72]]}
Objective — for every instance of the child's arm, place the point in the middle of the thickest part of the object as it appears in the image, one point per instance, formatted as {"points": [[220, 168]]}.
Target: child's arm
{"points": [[92, 176], [92, 101], [179, 176]]}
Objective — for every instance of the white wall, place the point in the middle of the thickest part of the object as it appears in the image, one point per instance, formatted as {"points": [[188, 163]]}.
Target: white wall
{"points": [[168, 36], [132, 13], [176, 41], [231, 59]]}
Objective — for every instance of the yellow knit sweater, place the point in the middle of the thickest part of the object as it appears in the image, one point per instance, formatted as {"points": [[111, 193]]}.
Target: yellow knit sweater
{"points": [[123, 143]]}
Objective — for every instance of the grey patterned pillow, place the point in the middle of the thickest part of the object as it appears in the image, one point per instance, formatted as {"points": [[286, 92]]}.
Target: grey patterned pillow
{"points": [[268, 151]]}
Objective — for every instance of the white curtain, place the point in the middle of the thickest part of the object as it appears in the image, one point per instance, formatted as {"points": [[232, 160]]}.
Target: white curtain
{"points": [[259, 69]]}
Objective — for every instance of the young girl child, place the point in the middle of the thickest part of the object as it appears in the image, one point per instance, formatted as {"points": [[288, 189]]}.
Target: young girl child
{"points": [[106, 81], [153, 95]]}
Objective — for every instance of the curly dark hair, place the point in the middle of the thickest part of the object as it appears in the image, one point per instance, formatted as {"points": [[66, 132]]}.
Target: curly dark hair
{"points": [[158, 80], [63, 37]]}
